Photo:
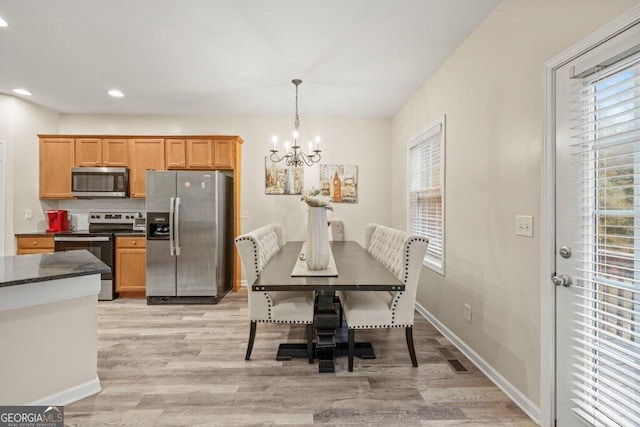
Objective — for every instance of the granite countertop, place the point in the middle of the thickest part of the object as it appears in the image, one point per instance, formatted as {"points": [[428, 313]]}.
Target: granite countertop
{"points": [[133, 233], [117, 233], [22, 269], [36, 233]]}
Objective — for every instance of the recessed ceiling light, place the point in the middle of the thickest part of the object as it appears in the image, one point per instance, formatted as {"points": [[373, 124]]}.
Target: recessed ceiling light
{"points": [[22, 92], [116, 93], [3, 23]]}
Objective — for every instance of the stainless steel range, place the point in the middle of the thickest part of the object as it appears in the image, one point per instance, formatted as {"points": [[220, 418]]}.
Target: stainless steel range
{"points": [[99, 240]]}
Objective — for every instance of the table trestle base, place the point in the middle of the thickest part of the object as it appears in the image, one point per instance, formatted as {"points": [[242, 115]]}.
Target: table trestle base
{"points": [[288, 351]]}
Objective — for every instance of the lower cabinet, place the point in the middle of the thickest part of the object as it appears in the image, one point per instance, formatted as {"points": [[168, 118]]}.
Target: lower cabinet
{"points": [[34, 245], [130, 266]]}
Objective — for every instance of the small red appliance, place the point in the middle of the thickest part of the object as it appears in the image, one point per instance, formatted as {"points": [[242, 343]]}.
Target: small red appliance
{"points": [[58, 220]]}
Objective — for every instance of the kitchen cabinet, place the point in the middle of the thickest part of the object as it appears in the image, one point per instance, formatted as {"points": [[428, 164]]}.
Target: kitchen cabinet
{"points": [[141, 153], [130, 266], [56, 160], [144, 154], [34, 244], [191, 154], [224, 153], [96, 152], [175, 153]]}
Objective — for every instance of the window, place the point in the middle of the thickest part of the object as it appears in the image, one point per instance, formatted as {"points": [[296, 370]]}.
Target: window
{"points": [[607, 153], [425, 166]]}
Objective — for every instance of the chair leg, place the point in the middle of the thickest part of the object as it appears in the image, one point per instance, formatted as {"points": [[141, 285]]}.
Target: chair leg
{"points": [[310, 342], [412, 350], [252, 336], [352, 347]]}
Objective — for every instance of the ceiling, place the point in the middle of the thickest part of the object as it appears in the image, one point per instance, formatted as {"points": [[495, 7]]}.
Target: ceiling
{"points": [[362, 58]]}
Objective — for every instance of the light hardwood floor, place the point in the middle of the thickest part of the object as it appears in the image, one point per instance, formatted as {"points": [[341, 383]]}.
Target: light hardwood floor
{"points": [[184, 365]]}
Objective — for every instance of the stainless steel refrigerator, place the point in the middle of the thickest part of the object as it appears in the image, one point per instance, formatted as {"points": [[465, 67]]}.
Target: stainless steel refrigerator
{"points": [[189, 236]]}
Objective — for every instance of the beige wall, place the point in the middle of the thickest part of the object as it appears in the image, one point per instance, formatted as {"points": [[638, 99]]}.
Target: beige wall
{"points": [[363, 142], [20, 123], [491, 92]]}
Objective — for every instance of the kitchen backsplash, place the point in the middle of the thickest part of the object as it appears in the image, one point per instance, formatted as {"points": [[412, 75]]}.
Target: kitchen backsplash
{"points": [[79, 209]]}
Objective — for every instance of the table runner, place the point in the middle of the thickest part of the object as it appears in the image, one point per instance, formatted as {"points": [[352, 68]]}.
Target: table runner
{"points": [[300, 269]]}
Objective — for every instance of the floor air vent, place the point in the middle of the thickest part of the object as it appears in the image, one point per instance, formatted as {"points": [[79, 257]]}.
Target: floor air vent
{"points": [[452, 361]]}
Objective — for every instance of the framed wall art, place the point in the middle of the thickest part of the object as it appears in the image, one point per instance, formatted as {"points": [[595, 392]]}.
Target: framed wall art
{"points": [[340, 182], [282, 179]]}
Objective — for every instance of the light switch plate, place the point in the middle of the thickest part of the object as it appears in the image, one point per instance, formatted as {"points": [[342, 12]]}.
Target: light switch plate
{"points": [[524, 225], [244, 214]]}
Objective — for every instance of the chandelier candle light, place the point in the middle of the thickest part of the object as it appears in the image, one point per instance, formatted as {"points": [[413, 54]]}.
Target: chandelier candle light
{"points": [[297, 157]]}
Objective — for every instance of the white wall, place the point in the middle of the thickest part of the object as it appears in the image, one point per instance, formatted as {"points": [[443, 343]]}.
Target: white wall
{"points": [[491, 92], [363, 142], [20, 124]]}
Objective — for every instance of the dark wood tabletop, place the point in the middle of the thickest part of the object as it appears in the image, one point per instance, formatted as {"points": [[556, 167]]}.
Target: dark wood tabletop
{"points": [[357, 270]]}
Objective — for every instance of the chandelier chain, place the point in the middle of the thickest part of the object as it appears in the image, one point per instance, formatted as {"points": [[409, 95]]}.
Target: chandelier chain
{"points": [[297, 121]]}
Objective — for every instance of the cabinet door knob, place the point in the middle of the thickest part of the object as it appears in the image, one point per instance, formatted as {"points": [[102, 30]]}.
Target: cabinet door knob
{"points": [[134, 243]]}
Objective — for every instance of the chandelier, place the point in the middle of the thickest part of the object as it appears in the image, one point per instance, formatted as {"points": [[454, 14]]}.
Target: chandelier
{"points": [[294, 155]]}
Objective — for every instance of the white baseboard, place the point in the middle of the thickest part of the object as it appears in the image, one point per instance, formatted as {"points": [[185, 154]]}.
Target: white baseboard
{"points": [[70, 395], [512, 392]]}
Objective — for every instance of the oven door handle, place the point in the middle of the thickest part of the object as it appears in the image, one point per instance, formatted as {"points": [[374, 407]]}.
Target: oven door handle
{"points": [[81, 239]]}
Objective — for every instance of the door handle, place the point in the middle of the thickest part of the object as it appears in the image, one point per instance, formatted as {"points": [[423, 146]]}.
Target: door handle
{"points": [[563, 279], [172, 247], [81, 239], [177, 226]]}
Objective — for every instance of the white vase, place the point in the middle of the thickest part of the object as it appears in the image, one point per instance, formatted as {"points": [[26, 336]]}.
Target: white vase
{"points": [[317, 256]]}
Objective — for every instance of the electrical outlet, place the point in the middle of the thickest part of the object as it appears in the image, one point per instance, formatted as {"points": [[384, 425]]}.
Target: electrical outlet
{"points": [[467, 313], [524, 225], [244, 214], [28, 213]]}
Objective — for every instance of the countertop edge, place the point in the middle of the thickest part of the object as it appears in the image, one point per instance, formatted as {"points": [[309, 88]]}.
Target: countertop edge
{"points": [[23, 269]]}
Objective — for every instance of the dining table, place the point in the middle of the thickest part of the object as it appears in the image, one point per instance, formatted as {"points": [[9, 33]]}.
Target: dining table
{"points": [[355, 270]]}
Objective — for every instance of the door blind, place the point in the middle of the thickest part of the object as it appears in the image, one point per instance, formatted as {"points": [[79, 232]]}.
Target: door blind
{"points": [[606, 368], [426, 191]]}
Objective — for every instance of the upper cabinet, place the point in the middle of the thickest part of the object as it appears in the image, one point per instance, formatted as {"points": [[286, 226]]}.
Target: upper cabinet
{"points": [[115, 152], [200, 154], [56, 160], [96, 152], [144, 154], [175, 153], [224, 153], [189, 154], [59, 153]]}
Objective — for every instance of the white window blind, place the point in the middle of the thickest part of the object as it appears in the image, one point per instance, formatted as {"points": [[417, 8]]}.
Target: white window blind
{"points": [[426, 192], [606, 369]]}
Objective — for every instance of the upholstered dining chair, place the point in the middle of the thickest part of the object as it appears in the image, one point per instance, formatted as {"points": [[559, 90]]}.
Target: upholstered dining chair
{"points": [[402, 254], [256, 249]]}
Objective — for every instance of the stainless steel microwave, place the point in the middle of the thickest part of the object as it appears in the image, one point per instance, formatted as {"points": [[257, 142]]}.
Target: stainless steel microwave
{"points": [[99, 182]]}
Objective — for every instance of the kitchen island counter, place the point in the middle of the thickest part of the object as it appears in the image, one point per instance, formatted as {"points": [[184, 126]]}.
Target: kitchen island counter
{"points": [[22, 269], [48, 327]]}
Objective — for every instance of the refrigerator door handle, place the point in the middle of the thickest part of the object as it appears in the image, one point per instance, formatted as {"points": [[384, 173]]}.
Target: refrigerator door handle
{"points": [[172, 246], [177, 227]]}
